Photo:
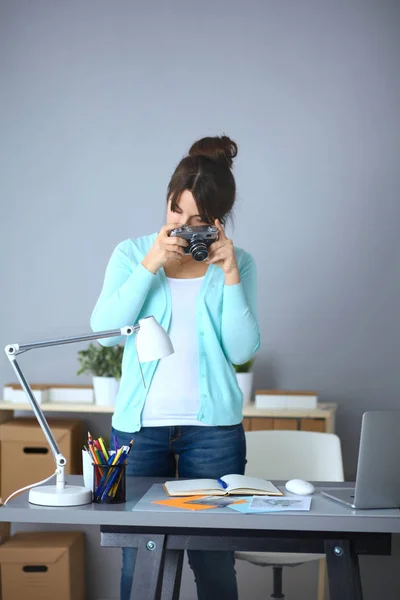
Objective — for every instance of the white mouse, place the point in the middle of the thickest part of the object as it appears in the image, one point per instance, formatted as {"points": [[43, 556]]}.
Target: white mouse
{"points": [[300, 487]]}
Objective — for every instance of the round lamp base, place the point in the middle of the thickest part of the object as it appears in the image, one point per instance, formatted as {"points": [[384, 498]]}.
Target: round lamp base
{"points": [[50, 495]]}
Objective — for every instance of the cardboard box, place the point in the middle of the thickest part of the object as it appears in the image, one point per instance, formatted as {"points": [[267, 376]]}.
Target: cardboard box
{"points": [[77, 394], [50, 392], [284, 399], [43, 566], [13, 392], [4, 532], [26, 456]]}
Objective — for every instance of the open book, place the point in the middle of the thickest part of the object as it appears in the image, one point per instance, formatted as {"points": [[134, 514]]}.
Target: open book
{"points": [[227, 485]]}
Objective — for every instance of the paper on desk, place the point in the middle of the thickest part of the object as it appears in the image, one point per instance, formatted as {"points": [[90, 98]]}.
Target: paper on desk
{"points": [[217, 501], [186, 503], [198, 502], [155, 499], [243, 507], [265, 504]]}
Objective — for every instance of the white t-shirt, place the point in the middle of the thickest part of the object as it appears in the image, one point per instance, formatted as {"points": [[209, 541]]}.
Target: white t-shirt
{"points": [[173, 397]]}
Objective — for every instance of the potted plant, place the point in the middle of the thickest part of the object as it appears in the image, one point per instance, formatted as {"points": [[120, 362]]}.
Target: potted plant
{"points": [[104, 364], [245, 377]]}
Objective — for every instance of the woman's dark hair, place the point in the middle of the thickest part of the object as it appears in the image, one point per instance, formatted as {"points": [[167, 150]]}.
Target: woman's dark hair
{"points": [[206, 172]]}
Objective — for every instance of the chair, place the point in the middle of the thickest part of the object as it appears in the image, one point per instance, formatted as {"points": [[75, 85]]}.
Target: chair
{"points": [[309, 455]]}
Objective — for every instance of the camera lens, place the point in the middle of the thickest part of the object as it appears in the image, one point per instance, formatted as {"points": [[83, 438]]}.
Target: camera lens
{"points": [[199, 250]]}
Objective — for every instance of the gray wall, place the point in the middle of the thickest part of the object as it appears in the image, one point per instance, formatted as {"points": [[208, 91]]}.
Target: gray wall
{"points": [[100, 100]]}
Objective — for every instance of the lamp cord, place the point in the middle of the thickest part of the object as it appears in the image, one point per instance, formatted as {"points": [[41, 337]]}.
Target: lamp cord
{"points": [[27, 487]]}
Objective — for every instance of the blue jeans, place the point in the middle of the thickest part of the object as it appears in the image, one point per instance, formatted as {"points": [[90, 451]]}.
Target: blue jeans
{"points": [[203, 452]]}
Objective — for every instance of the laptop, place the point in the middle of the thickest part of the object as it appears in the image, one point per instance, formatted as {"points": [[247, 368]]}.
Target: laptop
{"points": [[378, 473]]}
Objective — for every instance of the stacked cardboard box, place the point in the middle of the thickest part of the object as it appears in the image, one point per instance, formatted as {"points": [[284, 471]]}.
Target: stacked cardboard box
{"points": [[43, 566], [26, 456], [277, 399]]}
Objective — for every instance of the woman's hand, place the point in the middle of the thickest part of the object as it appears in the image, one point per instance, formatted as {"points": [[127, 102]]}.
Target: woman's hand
{"points": [[222, 254], [164, 248]]}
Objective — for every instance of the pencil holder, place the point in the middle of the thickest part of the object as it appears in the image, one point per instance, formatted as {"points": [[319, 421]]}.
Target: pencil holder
{"points": [[109, 483]]}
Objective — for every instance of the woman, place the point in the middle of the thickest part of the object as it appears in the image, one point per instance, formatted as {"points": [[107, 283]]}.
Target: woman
{"points": [[191, 408]]}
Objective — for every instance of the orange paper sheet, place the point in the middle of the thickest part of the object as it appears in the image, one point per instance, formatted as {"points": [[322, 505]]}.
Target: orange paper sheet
{"points": [[182, 502]]}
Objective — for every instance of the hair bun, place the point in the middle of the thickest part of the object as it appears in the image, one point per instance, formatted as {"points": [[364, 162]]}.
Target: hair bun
{"points": [[221, 149]]}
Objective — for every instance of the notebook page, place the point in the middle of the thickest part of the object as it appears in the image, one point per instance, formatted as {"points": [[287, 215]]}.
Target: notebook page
{"points": [[191, 485], [247, 482]]}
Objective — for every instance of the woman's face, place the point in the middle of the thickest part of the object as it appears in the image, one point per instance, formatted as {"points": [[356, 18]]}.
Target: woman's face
{"points": [[186, 212]]}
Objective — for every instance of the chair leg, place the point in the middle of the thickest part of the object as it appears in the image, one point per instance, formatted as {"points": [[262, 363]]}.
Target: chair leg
{"points": [[322, 580], [277, 584]]}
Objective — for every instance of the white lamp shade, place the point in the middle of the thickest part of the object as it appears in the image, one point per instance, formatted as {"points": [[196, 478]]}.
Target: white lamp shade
{"points": [[152, 341]]}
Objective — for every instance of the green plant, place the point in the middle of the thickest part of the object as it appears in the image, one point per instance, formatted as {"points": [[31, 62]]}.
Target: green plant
{"points": [[245, 367], [101, 361]]}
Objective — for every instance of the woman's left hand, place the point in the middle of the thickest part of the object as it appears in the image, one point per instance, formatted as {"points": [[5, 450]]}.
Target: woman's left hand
{"points": [[222, 254]]}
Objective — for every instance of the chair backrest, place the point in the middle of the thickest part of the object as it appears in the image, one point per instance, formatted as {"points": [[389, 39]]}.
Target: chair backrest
{"points": [[309, 455]]}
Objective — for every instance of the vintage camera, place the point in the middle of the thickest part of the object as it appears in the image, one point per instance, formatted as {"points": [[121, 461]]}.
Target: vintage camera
{"points": [[199, 237]]}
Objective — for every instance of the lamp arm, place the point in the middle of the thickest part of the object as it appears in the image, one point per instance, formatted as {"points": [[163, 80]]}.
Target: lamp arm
{"points": [[61, 461], [13, 350], [152, 343]]}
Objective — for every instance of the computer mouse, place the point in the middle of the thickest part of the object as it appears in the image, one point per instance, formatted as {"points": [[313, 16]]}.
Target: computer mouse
{"points": [[300, 487]]}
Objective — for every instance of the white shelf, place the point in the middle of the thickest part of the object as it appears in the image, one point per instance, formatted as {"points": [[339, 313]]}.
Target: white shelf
{"points": [[323, 410]]}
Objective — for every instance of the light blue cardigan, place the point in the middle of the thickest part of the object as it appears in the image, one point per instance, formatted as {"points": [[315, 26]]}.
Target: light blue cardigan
{"points": [[228, 330]]}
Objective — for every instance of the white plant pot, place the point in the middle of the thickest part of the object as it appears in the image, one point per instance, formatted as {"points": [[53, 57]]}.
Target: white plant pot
{"points": [[245, 382], [105, 390]]}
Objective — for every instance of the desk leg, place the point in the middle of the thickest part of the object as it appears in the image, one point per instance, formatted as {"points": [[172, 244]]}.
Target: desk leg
{"points": [[343, 571], [148, 567], [171, 583]]}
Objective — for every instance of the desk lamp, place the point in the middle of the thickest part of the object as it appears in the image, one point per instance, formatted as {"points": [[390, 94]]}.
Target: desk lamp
{"points": [[152, 343]]}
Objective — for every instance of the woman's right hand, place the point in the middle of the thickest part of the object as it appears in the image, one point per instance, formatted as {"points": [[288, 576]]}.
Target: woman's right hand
{"points": [[164, 248]]}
